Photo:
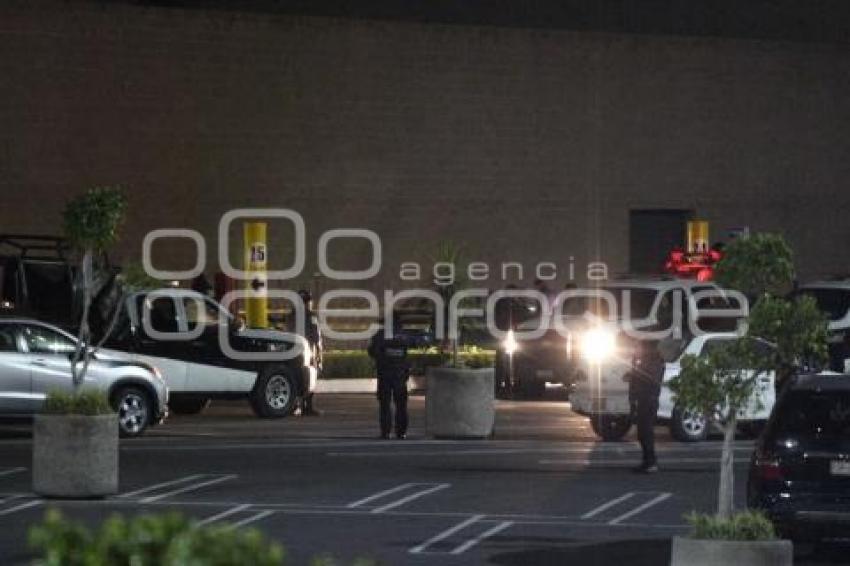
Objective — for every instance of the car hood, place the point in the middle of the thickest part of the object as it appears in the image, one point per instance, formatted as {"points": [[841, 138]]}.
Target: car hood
{"points": [[273, 336]]}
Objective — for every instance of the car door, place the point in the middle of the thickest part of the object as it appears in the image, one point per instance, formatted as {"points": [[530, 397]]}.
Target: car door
{"points": [[49, 353], [210, 370], [15, 379], [168, 355]]}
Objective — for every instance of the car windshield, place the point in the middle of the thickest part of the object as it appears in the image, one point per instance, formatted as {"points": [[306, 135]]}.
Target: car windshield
{"points": [[204, 313], [815, 414], [834, 302], [636, 302]]}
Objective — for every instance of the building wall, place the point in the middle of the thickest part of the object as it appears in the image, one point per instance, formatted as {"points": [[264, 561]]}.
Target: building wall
{"points": [[523, 145]]}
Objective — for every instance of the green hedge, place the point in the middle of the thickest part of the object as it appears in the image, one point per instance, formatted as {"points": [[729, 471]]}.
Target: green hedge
{"points": [[746, 526], [88, 403], [150, 540], [342, 364], [168, 539]]}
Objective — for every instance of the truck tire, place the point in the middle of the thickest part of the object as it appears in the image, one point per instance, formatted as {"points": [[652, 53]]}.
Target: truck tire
{"points": [[611, 428], [275, 392], [134, 409], [188, 405], [685, 426]]}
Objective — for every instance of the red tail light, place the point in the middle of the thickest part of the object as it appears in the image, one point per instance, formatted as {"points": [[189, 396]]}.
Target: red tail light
{"points": [[768, 467]]}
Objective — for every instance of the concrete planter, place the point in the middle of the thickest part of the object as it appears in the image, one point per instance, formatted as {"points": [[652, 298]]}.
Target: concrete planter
{"points": [[459, 403], [702, 552], [75, 456]]}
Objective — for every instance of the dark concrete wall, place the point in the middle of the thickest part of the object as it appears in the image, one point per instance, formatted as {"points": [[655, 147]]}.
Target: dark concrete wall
{"points": [[523, 145]]}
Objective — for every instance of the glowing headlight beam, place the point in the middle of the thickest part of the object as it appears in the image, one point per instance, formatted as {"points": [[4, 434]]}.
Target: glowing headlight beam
{"points": [[597, 345], [510, 344]]}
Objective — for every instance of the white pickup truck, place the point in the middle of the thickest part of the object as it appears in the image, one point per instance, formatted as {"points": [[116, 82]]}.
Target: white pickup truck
{"points": [[199, 369]]}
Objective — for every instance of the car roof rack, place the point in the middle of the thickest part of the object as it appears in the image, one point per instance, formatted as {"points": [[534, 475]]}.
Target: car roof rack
{"points": [[35, 247]]}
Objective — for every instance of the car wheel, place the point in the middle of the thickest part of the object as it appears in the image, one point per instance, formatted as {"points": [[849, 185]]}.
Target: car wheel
{"points": [[188, 406], [688, 426], [275, 393], [133, 406], [610, 428]]}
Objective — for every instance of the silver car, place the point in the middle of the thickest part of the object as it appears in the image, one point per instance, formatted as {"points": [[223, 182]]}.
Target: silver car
{"points": [[35, 358]]}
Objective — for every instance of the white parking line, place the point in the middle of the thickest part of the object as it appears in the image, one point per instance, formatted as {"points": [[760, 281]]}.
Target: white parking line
{"points": [[159, 486], [191, 487], [379, 495], [640, 508], [20, 507], [252, 519], [9, 497], [608, 505], [485, 535], [628, 463], [410, 498], [11, 471], [223, 514], [445, 534]]}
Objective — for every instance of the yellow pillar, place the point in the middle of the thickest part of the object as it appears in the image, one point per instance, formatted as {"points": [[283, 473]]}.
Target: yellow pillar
{"points": [[698, 236], [256, 256]]}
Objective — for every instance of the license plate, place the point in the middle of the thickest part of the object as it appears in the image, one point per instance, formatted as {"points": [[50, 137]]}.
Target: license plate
{"points": [[544, 373], [839, 467]]}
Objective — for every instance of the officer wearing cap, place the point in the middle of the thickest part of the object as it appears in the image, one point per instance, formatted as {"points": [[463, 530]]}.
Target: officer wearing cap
{"points": [[393, 368]]}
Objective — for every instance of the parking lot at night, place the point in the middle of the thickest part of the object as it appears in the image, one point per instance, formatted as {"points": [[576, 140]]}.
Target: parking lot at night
{"points": [[543, 491]]}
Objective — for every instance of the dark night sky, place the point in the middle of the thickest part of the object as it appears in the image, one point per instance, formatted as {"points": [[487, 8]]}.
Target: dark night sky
{"points": [[796, 20]]}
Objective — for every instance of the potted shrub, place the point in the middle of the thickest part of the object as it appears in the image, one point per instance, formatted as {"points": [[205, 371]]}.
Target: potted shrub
{"points": [[75, 442], [743, 538], [75, 446], [721, 383], [459, 398]]}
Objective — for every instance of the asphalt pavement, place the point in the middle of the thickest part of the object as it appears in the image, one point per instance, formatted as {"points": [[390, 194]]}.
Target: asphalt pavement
{"points": [[542, 491]]}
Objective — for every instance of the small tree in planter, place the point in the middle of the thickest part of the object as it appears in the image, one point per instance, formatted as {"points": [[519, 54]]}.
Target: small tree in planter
{"points": [[722, 383], [449, 253], [459, 399], [91, 223], [75, 440]]}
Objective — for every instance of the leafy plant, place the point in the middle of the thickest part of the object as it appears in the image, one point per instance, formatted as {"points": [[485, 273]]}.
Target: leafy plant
{"points": [[150, 540], [88, 403], [341, 364], [135, 278], [722, 382], [449, 253], [757, 264], [746, 526], [91, 223], [346, 364], [718, 385], [797, 328]]}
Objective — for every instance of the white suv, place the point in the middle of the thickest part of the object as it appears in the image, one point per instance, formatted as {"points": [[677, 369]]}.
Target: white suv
{"points": [[642, 304]]}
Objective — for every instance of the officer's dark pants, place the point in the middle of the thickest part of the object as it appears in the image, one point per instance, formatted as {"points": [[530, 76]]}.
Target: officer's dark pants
{"points": [[646, 413], [393, 390]]}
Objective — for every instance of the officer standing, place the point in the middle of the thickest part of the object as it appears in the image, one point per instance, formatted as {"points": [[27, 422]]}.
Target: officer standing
{"points": [[644, 389], [390, 355], [314, 337]]}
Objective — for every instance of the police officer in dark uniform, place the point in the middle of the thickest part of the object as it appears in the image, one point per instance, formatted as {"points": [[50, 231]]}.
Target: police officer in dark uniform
{"points": [[644, 388], [390, 355]]}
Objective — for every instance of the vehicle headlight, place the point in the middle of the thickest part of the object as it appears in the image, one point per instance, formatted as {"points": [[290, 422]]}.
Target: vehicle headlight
{"points": [[510, 344], [597, 345]]}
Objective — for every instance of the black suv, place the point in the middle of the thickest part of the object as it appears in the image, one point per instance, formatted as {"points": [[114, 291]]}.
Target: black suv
{"points": [[800, 471]]}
